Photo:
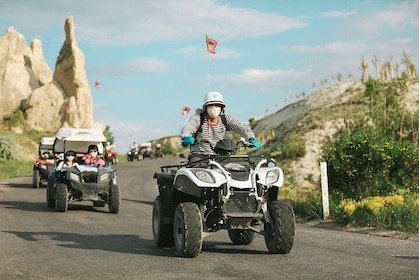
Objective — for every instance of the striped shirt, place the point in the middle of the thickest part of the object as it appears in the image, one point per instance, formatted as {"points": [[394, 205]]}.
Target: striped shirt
{"points": [[206, 140]]}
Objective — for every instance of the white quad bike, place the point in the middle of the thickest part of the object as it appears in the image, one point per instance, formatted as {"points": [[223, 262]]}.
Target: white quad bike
{"points": [[224, 191]]}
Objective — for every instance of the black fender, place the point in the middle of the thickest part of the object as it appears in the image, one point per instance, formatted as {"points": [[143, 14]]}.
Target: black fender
{"points": [[165, 184]]}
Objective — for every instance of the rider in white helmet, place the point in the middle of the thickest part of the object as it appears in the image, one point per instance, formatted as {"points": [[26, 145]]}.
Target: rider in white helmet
{"points": [[204, 130]]}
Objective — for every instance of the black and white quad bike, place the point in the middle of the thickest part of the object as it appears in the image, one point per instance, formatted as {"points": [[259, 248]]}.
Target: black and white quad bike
{"points": [[224, 191], [83, 182]]}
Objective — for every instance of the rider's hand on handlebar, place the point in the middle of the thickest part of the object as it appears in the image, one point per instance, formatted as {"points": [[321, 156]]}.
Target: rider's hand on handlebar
{"points": [[187, 140], [255, 143]]}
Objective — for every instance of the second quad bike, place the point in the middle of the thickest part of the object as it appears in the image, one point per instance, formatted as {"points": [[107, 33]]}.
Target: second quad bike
{"points": [[222, 192]]}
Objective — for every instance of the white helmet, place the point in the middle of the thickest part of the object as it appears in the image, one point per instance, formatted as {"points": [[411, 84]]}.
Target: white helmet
{"points": [[213, 97]]}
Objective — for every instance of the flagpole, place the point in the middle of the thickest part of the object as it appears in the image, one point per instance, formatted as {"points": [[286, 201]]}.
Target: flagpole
{"points": [[211, 45], [210, 71]]}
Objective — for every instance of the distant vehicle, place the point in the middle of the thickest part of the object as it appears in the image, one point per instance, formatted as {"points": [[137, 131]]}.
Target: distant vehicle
{"points": [[44, 163], [158, 151], [82, 182], [133, 153], [146, 150], [111, 155]]}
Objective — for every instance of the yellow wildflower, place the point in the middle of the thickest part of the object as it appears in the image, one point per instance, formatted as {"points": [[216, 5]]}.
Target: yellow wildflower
{"points": [[394, 199], [348, 206]]}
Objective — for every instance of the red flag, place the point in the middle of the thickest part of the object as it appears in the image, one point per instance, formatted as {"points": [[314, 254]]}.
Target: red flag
{"points": [[211, 44], [96, 84], [185, 110], [67, 110]]}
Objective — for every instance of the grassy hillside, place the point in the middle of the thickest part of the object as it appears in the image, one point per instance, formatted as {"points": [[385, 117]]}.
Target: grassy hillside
{"points": [[294, 134]]}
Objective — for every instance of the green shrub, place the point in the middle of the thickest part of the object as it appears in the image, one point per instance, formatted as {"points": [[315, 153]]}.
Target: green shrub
{"points": [[167, 149], [15, 119], [367, 163], [7, 148], [291, 147]]}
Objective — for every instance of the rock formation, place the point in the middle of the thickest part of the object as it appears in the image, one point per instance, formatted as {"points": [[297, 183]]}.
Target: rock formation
{"points": [[67, 95], [22, 69], [49, 100]]}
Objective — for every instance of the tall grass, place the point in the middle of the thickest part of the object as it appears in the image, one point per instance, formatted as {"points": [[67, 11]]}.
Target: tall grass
{"points": [[12, 168]]}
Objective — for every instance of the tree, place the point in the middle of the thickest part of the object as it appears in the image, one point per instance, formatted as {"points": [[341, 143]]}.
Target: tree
{"points": [[108, 134]]}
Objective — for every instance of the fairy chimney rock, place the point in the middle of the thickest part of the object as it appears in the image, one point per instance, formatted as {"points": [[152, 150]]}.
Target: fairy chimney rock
{"points": [[66, 100], [22, 69]]}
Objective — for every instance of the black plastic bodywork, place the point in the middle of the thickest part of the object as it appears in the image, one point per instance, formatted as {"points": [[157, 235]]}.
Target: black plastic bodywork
{"points": [[91, 183]]}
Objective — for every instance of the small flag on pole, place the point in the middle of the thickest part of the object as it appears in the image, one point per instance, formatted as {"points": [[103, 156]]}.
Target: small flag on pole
{"points": [[96, 84], [211, 44], [185, 110]]}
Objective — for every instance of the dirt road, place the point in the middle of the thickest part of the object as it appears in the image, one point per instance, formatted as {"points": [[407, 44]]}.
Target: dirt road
{"points": [[90, 243]]}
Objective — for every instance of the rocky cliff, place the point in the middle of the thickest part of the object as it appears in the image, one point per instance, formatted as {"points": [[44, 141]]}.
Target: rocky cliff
{"points": [[49, 100]]}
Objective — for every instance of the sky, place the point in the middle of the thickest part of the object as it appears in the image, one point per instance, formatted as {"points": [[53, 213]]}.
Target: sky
{"points": [[150, 56]]}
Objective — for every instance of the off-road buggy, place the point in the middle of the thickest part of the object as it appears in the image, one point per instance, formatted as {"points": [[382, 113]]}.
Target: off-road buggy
{"points": [[145, 150], [82, 182], [237, 193], [45, 162]]}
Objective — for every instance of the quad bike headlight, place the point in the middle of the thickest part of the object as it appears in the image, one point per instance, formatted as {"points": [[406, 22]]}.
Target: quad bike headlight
{"points": [[74, 177], [104, 177], [272, 176], [204, 176]]}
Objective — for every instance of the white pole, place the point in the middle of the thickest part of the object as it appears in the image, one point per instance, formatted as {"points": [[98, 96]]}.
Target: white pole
{"points": [[325, 190]]}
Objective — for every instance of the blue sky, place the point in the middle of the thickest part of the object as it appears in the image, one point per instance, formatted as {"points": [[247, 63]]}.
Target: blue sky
{"points": [[150, 56]]}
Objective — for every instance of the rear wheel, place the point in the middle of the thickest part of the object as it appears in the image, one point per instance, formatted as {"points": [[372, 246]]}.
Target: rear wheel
{"points": [[187, 229], [241, 236], [279, 236], [162, 233], [61, 199], [35, 179], [114, 198]]}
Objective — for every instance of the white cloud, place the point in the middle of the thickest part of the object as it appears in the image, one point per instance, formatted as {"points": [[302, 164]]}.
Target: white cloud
{"points": [[188, 50], [133, 67], [142, 22], [339, 14], [340, 48], [396, 16], [262, 79]]}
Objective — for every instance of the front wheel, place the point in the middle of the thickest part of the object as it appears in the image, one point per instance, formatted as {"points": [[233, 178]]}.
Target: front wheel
{"points": [[187, 229], [114, 198], [241, 236], [162, 233], [35, 179], [279, 236], [61, 199]]}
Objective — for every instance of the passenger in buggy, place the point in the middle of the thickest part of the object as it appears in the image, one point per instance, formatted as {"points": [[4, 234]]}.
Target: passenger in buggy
{"points": [[69, 160], [93, 156]]}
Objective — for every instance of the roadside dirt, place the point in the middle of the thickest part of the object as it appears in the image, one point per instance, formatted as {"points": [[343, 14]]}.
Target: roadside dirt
{"points": [[328, 224]]}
